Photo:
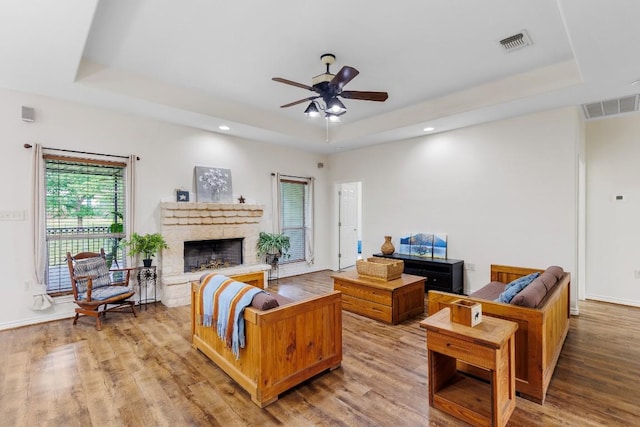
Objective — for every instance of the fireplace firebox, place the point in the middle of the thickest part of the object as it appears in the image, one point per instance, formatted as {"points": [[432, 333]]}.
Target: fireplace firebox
{"points": [[202, 255]]}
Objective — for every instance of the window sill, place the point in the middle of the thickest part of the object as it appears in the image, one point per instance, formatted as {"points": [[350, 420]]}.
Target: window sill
{"points": [[63, 299]]}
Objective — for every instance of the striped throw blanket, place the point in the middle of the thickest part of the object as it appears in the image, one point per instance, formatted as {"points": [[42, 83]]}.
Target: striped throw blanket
{"points": [[222, 303]]}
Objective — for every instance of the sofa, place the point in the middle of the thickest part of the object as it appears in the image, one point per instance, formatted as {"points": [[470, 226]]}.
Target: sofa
{"points": [[284, 345], [541, 310]]}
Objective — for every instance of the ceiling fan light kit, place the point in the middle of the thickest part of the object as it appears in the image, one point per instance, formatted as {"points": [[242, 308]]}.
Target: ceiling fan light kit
{"points": [[329, 87], [312, 110], [335, 106], [333, 118]]}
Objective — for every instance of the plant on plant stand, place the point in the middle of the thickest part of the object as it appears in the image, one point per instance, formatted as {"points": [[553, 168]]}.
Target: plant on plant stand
{"points": [[273, 246], [147, 245], [117, 230]]}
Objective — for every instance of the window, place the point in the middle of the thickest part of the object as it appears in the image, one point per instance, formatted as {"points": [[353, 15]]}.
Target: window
{"points": [[295, 217], [84, 212]]}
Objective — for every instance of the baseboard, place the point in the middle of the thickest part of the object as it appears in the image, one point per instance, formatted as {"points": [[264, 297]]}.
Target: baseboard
{"points": [[35, 320], [613, 300], [296, 269]]}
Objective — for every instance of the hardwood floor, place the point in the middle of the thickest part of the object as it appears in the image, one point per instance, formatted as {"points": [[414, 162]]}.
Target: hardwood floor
{"points": [[143, 371]]}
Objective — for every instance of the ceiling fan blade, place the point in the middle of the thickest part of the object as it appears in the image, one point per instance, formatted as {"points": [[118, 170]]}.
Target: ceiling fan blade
{"points": [[344, 76], [292, 83], [365, 96], [300, 101]]}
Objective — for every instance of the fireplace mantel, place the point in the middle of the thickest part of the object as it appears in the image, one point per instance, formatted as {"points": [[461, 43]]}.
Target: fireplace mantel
{"points": [[185, 221], [174, 213]]}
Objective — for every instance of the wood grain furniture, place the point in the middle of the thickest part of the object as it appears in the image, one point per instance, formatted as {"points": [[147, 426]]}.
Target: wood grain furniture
{"points": [[391, 301], [541, 330], [94, 292], [284, 346], [489, 346], [440, 274]]}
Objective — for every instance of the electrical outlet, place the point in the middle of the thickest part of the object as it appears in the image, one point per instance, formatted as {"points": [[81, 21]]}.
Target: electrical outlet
{"points": [[636, 274], [470, 267]]}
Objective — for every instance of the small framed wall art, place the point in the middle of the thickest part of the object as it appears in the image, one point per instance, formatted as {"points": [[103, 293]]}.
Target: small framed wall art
{"points": [[182, 196]]}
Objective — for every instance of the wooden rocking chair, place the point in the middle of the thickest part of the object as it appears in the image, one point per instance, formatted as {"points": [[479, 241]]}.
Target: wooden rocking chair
{"points": [[92, 286]]}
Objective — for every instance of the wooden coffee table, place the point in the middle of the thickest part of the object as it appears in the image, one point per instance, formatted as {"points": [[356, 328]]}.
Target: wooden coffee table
{"points": [[392, 301]]}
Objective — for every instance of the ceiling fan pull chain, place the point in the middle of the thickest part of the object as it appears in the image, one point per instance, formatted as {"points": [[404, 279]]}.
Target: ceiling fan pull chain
{"points": [[326, 139]]}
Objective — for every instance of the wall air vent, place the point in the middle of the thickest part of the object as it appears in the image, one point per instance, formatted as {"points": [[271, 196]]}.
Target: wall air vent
{"points": [[611, 107], [516, 41]]}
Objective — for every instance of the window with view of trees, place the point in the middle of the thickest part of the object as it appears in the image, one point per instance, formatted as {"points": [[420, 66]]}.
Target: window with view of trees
{"points": [[85, 205]]}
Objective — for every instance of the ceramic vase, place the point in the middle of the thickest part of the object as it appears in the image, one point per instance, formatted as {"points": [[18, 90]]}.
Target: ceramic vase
{"points": [[387, 247]]}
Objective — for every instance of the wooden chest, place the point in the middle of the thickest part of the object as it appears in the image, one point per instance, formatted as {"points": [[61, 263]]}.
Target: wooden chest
{"points": [[391, 301]]}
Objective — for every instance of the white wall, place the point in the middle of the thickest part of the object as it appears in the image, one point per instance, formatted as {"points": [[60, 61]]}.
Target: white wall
{"points": [[504, 192], [613, 227], [168, 154]]}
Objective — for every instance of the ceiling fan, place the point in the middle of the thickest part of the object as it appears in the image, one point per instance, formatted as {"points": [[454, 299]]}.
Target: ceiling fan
{"points": [[329, 87]]}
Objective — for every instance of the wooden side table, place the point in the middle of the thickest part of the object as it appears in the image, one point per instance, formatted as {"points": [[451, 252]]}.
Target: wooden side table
{"points": [[489, 346]]}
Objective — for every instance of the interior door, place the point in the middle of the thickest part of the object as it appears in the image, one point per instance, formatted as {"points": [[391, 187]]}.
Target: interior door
{"points": [[348, 225]]}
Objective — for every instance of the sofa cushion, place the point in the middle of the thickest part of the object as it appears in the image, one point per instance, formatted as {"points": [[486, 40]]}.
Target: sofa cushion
{"points": [[515, 286], [490, 291], [282, 300], [556, 271], [105, 292], [551, 276], [264, 301], [531, 295], [267, 301]]}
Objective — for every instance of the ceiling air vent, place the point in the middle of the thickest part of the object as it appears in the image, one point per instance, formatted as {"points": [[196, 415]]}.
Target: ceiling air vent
{"points": [[516, 41], [611, 107]]}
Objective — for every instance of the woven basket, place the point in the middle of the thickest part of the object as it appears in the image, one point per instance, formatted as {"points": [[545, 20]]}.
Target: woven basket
{"points": [[380, 268]]}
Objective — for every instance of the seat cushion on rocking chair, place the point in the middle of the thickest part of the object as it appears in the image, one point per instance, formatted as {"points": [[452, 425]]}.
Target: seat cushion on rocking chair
{"points": [[96, 268], [105, 292]]}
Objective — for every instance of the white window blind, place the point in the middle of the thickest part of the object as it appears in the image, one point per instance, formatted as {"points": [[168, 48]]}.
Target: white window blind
{"points": [[292, 203]]}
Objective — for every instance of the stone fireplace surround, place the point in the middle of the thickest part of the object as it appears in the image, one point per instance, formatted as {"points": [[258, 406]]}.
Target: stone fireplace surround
{"points": [[185, 221]]}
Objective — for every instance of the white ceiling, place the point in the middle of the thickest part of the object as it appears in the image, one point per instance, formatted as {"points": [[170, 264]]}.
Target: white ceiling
{"points": [[204, 63]]}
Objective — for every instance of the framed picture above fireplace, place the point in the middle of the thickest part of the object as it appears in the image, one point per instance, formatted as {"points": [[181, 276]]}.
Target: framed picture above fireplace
{"points": [[213, 185]]}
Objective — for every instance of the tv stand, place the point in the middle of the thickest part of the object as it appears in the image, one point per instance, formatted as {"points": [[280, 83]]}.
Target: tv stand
{"points": [[440, 274]]}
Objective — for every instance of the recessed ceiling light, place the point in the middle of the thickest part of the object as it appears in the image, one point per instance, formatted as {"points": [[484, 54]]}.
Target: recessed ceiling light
{"points": [[429, 129], [224, 127]]}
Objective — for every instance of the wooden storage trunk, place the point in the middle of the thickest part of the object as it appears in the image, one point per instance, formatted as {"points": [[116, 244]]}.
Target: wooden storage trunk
{"points": [[380, 268]]}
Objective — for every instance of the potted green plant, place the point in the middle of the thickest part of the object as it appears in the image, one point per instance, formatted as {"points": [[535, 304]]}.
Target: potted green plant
{"points": [[147, 245], [273, 246]]}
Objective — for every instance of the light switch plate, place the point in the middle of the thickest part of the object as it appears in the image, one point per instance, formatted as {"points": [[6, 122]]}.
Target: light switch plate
{"points": [[12, 215]]}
